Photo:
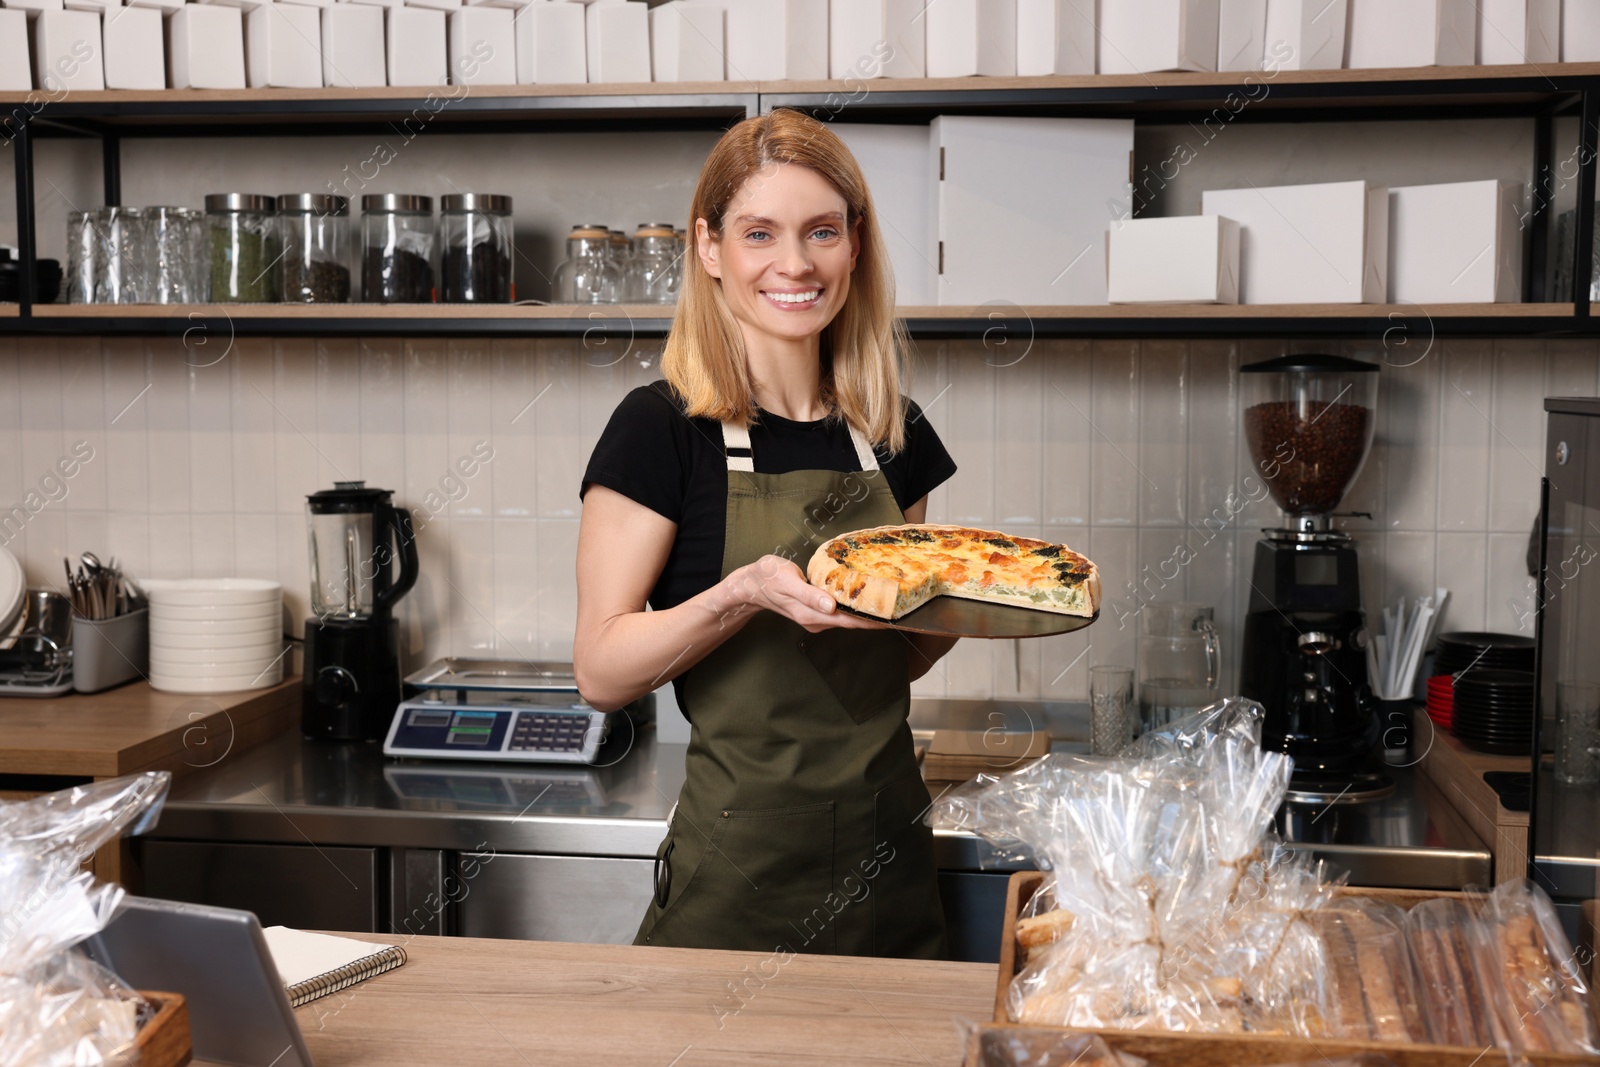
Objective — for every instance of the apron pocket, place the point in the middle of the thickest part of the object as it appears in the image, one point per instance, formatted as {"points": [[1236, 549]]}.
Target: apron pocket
{"points": [[765, 879], [865, 670]]}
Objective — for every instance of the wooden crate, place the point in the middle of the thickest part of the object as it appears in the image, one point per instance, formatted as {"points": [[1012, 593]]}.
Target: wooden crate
{"points": [[1190, 1049], [164, 1041]]}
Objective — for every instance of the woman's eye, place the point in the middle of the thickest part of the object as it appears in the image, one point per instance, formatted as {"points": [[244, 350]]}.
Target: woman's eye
{"points": [[824, 234], [757, 235]]}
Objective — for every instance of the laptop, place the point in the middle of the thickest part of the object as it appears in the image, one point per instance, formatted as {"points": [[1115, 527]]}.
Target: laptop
{"points": [[217, 958]]}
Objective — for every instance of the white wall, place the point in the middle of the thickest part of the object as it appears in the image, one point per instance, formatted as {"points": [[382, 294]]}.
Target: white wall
{"points": [[1118, 448]]}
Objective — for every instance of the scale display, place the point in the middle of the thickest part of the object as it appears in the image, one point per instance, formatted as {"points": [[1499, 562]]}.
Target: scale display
{"points": [[481, 727]]}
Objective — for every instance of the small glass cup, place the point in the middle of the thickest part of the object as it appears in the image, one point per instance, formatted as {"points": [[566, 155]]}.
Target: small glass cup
{"points": [[1577, 733], [1110, 709]]}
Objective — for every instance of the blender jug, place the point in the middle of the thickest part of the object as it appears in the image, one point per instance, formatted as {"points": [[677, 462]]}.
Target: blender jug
{"points": [[352, 645], [1180, 662]]}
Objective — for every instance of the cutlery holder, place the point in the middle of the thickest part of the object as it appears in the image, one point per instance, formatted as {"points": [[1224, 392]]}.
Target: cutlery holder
{"points": [[109, 652]]}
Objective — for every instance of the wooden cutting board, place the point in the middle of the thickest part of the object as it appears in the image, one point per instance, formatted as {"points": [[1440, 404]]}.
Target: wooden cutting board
{"points": [[960, 755]]}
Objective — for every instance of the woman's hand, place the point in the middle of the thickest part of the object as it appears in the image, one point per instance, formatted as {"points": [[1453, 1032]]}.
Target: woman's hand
{"points": [[775, 584]]}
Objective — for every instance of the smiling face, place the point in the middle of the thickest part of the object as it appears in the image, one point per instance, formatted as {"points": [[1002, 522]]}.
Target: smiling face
{"points": [[785, 253]]}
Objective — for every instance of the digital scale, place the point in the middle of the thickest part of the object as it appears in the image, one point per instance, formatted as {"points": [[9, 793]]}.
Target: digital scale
{"points": [[501, 710]]}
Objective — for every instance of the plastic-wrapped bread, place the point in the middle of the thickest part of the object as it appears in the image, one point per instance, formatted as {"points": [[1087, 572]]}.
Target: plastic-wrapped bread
{"points": [[1446, 938], [1543, 1000], [1375, 986]]}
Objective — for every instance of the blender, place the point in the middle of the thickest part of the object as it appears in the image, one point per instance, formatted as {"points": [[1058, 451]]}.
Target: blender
{"points": [[1309, 421], [352, 647]]}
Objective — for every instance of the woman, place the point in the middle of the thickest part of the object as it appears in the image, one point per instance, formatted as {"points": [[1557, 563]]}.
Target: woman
{"points": [[780, 425]]}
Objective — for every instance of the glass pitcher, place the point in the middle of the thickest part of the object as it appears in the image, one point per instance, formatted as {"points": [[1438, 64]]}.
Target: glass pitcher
{"points": [[1180, 662], [356, 536]]}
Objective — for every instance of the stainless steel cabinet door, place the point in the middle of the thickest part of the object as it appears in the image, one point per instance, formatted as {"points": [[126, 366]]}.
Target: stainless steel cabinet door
{"points": [[310, 888], [551, 898]]}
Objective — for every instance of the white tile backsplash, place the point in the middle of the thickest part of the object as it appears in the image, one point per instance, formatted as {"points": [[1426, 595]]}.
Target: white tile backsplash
{"points": [[1125, 450]]}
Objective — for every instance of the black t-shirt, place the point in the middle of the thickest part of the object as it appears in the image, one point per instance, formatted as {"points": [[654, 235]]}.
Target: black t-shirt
{"points": [[652, 453]]}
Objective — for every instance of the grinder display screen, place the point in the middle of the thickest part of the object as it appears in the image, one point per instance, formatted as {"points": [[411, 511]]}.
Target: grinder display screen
{"points": [[1316, 570]]}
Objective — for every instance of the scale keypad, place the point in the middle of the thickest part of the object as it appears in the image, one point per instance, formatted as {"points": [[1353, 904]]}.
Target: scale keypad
{"points": [[542, 731]]}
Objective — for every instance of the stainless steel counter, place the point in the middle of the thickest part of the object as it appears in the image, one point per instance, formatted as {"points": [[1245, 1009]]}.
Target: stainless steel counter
{"points": [[293, 791]]}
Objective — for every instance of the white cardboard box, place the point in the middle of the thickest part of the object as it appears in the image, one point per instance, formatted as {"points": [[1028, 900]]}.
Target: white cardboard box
{"points": [[1056, 37], [135, 49], [1141, 36], [1459, 243], [1412, 33], [67, 53], [1241, 34], [972, 37], [352, 46], [1187, 260], [205, 47], [414, 46], [1580, 31], [1519, 31], [16, 74], [550, 45], [896, 162], [378, 3], [686, 42], [99, 7], [775, 40], [877, 39], [1023, 206], [618, 39], [1309, 244], [437, 5], [33, 7], [167, 6], [483, 46], [283, 46], [1306, 34]]}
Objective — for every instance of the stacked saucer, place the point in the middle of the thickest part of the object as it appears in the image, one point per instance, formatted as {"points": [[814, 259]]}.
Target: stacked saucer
{"points": [[215, 635], [1459, 652], [1493, 711], [1441, 700]]}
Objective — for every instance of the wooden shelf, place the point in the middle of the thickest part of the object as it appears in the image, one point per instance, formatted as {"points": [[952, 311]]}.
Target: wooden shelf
{"points": [[1416, 323]]}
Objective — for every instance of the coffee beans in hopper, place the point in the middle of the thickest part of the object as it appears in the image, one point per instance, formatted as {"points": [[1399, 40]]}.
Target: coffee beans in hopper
{"points": [[1308, 454]]}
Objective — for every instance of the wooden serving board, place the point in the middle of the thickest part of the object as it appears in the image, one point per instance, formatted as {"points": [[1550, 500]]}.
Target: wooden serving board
{"points": [[1190, 1049]]}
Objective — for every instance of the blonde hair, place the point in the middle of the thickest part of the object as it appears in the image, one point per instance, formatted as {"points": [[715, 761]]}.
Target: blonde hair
{"points": [[863, 348]]}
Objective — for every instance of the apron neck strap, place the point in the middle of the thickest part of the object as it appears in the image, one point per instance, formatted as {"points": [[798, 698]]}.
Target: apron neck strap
{"points": [[736, 444]]}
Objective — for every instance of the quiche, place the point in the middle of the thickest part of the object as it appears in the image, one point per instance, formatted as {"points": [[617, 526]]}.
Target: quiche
{"points": [[890, 571]]}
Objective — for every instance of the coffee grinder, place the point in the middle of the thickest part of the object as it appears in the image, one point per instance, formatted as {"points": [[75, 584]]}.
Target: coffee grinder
{"points": [[1309, 421], [352, 649]]}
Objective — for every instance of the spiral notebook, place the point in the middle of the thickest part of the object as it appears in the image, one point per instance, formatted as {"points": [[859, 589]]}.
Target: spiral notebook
{"points": [[314, 965]]}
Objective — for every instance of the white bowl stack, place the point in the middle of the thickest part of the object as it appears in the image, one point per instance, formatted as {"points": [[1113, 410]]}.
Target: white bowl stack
{"points": [[215, 635]]}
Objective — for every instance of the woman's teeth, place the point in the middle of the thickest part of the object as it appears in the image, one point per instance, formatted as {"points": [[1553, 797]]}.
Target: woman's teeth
{"points": [[796, 298]]}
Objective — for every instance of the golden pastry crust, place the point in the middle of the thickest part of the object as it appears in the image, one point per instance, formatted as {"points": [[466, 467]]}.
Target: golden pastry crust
{"points": [[890, 571]]}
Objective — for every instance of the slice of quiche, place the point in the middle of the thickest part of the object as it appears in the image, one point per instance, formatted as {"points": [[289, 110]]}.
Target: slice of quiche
{"points": [[891, 571]]}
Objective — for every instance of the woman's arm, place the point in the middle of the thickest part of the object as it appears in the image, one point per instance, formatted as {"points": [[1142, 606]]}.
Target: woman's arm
{"points": [[621, 651], [926, 649]]}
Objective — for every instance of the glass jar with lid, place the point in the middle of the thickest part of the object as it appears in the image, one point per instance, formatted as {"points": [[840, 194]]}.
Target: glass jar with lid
{"points": [[242, 247], [315, 231], [174, 260], [397, 249], [588, 275], [475, 249], [655, 271]]}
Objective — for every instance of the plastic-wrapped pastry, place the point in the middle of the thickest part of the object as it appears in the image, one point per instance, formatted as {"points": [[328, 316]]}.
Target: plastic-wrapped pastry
{"points": [[1543, 999], [1375, 988], [1446, 936]]}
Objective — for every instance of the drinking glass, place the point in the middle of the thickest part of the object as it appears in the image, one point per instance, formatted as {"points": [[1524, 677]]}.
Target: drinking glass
{"points": [[1180, 660], [1110, 709], [82, 251], [1577, 733]]}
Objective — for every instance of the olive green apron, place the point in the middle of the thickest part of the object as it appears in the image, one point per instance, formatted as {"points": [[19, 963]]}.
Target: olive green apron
{"points": [[799, 826]]}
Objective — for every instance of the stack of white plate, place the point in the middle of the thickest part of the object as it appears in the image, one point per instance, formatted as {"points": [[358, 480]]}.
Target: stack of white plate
{"points": [[13, 596], [215, 635]]}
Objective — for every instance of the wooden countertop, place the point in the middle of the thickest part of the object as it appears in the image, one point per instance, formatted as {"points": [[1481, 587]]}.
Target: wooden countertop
{"points": [[517, 1003], [135, 728], [1458, 771]]}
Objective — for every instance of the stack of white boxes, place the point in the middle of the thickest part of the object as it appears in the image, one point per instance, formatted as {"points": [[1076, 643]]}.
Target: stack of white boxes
{"points": [[777, 40]]}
